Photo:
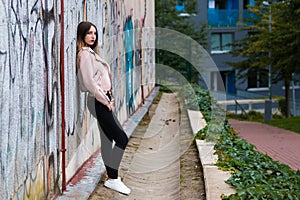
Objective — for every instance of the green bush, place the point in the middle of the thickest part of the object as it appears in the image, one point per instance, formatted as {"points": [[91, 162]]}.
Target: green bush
{"points": [[255, 175], [254, 115]]}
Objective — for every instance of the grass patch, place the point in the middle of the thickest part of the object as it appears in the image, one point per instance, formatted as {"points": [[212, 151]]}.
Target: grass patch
{"points": [[292, 123]]}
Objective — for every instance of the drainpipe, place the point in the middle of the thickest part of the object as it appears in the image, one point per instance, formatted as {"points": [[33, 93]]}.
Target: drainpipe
{"points": [[62, 75], [142, 49]]}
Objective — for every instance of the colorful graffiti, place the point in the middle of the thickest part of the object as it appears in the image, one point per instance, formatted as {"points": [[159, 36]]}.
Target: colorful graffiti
{"points": [[28, 92], [30, 89], [129, 51]]}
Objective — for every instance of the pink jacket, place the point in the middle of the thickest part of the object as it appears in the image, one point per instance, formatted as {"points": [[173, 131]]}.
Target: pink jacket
{"points": [[94, 74]]}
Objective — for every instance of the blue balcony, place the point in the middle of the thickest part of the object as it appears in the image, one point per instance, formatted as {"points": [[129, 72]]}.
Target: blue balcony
{"points": [[222, 18]]}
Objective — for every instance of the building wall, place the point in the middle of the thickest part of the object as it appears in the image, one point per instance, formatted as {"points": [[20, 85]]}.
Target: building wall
{"points": [[223, 21], [235, 11], [30, 89]]}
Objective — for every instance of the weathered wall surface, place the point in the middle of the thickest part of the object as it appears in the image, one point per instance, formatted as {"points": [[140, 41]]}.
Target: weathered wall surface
{"points": [[30, 85]]}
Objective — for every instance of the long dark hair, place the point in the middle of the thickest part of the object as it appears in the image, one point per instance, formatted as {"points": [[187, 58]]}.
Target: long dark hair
{"points": [[82, 30]]}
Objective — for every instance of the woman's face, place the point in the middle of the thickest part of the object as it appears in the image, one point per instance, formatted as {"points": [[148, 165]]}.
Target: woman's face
{"points": [[91, 36]]}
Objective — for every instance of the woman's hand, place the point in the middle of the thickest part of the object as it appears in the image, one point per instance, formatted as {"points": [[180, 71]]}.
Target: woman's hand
{"points": [[110, 106]]}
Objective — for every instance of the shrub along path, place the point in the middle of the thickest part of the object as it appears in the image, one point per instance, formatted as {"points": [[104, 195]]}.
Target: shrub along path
{"points": [[281, 145]]}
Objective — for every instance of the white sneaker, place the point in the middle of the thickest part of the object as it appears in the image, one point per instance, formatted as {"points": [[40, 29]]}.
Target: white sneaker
{"points": [[118, 185]]}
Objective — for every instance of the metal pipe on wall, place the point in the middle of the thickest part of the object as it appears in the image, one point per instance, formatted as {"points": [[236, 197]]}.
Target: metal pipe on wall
{"points": [[62, 75]]}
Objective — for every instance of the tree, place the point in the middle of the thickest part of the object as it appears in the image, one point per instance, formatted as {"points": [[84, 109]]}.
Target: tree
{"points": [[286, 41], [271, 42], [166, 16]]}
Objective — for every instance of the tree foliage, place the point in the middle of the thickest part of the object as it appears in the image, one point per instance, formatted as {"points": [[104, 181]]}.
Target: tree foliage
{"points": [[166, 16], [273, 40]]}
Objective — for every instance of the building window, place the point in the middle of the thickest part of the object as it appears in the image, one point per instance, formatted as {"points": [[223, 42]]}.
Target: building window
{"points": [[258, 78], [218, 4], [221, 42], [211, 4], [221, 4], [248, 2]]}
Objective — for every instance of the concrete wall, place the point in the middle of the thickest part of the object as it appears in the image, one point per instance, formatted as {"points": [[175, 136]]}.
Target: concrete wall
{"points": [[30, 85]]}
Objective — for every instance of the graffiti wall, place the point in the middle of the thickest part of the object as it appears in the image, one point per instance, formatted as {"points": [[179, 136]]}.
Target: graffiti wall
{"points": [[30, 85]]}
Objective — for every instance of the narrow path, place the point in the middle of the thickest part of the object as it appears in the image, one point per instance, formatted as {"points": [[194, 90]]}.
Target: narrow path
{"points": [[161, 160]]}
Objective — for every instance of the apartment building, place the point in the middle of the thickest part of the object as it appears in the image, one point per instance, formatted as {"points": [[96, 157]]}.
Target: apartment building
{"points": [[224, 19]]}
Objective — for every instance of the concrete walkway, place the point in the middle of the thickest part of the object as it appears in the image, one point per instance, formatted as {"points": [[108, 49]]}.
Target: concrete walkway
{"points": [[151, 166], [85, 181], [279, 144], [154, 172]]}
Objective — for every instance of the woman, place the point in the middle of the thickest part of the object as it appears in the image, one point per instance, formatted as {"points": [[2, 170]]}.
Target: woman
{"points": [[95, 78]]}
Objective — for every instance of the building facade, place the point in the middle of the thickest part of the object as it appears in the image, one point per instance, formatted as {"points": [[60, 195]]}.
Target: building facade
{"points": [[224, 19], [33, 55]]}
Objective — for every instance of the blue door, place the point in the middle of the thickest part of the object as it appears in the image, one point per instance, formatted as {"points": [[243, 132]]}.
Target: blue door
{"points": [[230, 86]]}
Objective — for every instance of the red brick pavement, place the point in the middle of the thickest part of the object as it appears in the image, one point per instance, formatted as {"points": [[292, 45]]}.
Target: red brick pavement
{"points": [[279, 144]]}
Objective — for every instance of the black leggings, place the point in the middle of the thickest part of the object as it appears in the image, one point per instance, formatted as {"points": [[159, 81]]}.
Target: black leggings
{"points": [[111, 131]]}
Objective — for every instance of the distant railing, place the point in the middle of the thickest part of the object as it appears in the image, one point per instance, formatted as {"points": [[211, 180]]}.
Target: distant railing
{"points": [[295, 107], [246, 105], [247, 101], [242, 109]]}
